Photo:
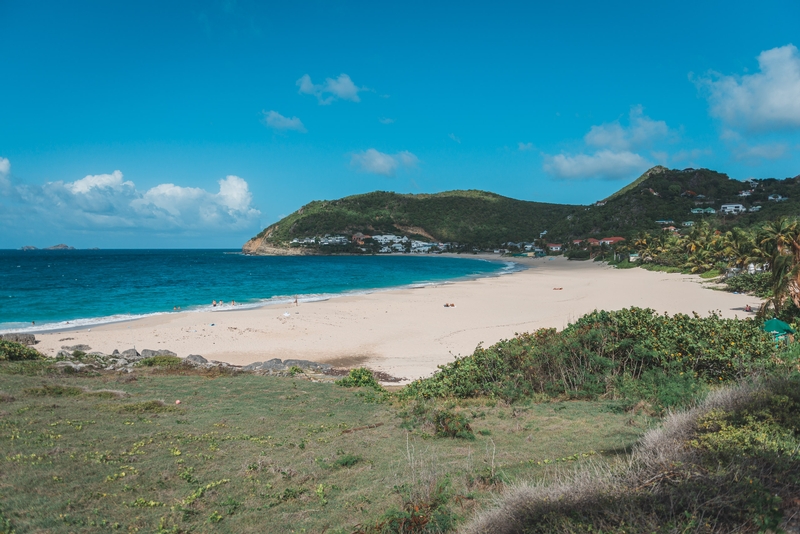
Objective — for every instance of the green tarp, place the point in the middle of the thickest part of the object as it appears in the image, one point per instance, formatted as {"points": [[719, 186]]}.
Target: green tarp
{"points": [[778, 327]]}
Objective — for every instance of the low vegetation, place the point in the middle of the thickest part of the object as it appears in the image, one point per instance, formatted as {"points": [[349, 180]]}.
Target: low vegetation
{"points": [[730, 465], [15, 352], [171, 448]]}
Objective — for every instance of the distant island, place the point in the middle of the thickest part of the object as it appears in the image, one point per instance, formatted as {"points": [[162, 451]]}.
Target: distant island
{"points": [[464, 221]]}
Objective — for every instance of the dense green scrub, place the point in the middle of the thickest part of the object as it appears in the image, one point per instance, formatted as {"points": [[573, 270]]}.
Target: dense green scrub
{"points": [[633, 353]]}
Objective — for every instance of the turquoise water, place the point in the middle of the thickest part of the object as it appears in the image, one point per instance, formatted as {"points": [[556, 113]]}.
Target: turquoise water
{"points": [[82, 287]]}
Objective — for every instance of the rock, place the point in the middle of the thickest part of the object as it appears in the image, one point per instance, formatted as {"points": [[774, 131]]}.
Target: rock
{"points": [[305, 364], [73, 348], [97, 355], [131, 354], [272, 365], [147, 353], [196, 359], [63, 354], [115, 353], [71, 365], [23, 339]]}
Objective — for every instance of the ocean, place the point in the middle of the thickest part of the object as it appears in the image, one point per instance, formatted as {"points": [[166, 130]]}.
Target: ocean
{"points": [[44, 290]]}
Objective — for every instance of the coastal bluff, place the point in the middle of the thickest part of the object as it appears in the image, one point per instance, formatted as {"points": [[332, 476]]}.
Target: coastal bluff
{"points": [[259, 246]]}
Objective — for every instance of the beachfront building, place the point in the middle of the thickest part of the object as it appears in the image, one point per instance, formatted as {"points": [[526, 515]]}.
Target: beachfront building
{"points": [[611, 240], [334, 240], [554, 247], [732, 209], [389, 239]]}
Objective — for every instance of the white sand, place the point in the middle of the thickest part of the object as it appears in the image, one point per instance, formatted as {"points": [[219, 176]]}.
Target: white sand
{"points": [[408, 332]]}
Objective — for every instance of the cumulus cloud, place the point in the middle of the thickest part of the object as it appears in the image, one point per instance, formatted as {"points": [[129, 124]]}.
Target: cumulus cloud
{"points": [[525, 147], [276, 121], [605, 164], [767, 100], [108, 201], [376, 162], [764, 151], [642, 131], [333, 89]]}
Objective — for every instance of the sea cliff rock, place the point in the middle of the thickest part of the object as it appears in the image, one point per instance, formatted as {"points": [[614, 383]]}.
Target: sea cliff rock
{"points": [[147, 353], [259, 247]]}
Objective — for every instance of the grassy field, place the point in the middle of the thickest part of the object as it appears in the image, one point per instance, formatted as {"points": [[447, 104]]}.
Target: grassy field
{"points": [[246, 453]]}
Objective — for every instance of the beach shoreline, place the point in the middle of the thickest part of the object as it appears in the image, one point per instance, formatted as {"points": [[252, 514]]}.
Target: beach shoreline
{"points": [[408, 332]]}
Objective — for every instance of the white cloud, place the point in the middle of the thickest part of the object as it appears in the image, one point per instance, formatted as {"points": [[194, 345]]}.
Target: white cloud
{"points": [[107, 202], [764, 151], [454, 138], [276, 121], [5, 169], [764, 101], [376, 162], [604, 164], [642, 131], [385, 120], [525, 147], [340, 88]]}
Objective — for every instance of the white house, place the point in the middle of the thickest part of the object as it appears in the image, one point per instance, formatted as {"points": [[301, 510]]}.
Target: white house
{"points": [[777, 198], [732, 209], [754, 208]]}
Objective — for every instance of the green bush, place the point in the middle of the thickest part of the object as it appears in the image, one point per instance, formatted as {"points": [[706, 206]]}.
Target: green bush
{"points": [[360, 378], [160, 361], [577, 254], [605, 353], [15, 352], [452, 425], [759, 284]]}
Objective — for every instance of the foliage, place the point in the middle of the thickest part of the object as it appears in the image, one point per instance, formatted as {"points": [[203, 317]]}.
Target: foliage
{"points": [[730, 465], [483, 219], [15, 352], [758, 284], [602, 353], [360, 378], [160, 361]]}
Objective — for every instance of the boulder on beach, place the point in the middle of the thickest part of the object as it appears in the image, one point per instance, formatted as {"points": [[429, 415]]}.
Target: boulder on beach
{"points": [[73, 348], [196, 359], [305, 364], [272, 365], [22, 339], [131, 355]]}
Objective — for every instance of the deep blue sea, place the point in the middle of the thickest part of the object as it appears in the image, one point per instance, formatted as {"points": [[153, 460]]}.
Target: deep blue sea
{"points": [[84, 287]]}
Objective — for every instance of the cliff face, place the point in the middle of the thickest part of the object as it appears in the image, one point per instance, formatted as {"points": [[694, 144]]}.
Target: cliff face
{"points": [[259, 247]]}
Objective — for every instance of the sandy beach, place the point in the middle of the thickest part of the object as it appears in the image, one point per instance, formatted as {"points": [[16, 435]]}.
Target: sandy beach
{"points": [[409, 332]]}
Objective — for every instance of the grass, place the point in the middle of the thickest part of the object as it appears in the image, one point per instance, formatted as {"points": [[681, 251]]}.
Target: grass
{"points": [[114, 452]]}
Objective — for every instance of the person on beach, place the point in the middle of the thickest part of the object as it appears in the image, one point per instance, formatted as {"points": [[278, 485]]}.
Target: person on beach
{"points": [[214, 303], [295, 302]]}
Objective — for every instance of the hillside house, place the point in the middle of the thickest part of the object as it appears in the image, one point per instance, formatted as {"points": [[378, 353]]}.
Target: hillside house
{"points": [[687, 223], [611, 240], [665, 221], [698, 211], [754, 209], [777, 198], [709, 211], [593, 242], [732, 209]]}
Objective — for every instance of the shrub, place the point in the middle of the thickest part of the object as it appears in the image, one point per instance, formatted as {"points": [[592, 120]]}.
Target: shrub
{"points": [[15, 352], [759, 284], [577, 254], [452, 425], [604, 353], [347, 460], [160, 361], [360, 378]]}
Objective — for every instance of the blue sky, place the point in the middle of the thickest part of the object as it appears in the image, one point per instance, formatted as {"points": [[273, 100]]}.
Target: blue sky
{"points": [[191, 124]]}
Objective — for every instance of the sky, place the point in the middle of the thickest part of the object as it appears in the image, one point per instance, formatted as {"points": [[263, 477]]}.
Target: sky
{"points": [[196, 124]]}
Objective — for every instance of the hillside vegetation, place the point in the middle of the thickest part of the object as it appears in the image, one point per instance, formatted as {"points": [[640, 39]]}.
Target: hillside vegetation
{"points": [[484, 219]]}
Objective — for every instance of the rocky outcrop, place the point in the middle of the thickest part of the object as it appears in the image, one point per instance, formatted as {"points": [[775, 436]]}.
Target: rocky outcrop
{"points": [[259, 247], [78, 360], [22, 339], [60, 246]]}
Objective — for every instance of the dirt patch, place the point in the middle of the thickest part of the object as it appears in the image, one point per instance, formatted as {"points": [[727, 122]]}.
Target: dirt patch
{"points": [[349, 362]]}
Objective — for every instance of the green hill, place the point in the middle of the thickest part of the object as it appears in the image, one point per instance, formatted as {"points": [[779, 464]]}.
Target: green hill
{"points": [[484, 219]]}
